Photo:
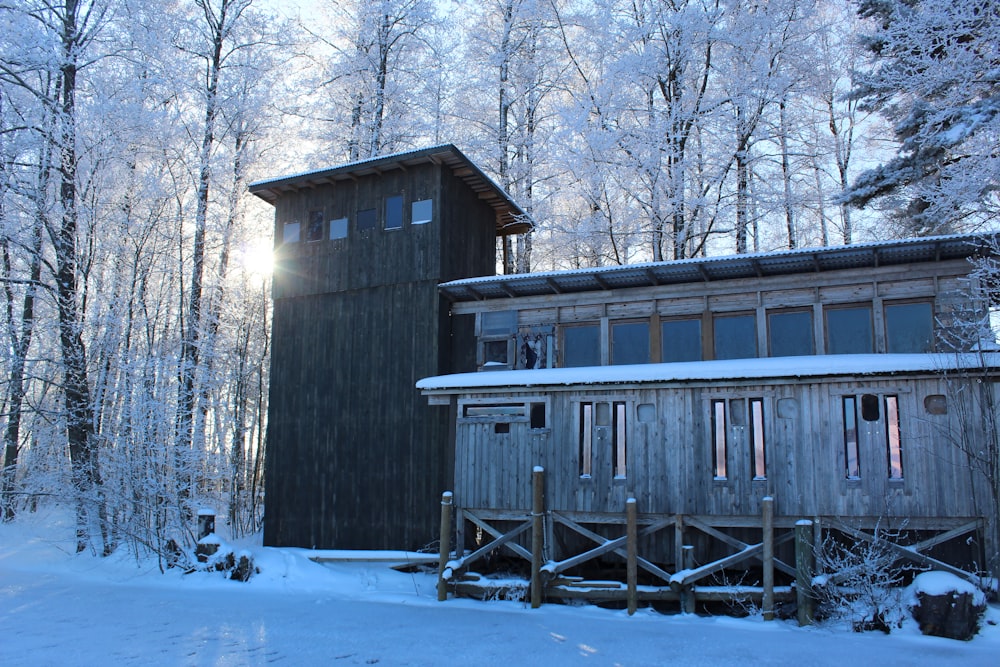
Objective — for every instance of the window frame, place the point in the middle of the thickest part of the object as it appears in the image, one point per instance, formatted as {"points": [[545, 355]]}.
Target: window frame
{"points": [[393, 206], [666, 321]]}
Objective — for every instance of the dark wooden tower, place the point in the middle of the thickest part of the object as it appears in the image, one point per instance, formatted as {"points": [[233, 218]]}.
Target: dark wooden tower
{"points": [[356, 459]]}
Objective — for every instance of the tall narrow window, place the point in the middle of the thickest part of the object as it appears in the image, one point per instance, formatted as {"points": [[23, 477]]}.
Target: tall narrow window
{"points": [[719, 439], [851, 438], [620, 449], [394, 212], [757, 438], [586, 438], [895, 449]]}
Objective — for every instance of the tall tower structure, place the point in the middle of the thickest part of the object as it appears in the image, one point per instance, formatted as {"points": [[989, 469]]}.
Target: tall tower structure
{"points": [[355, 458]]}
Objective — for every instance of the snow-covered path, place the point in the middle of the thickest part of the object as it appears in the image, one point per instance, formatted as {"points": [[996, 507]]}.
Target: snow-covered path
{"points": [[57, 609]]}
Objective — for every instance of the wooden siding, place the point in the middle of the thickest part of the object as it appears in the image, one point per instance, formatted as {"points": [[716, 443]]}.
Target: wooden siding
{"points": [[670, 457]]}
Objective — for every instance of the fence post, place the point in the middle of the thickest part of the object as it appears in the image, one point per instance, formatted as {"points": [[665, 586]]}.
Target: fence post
{"points": [[446, 505], [632, 549], [804, 570], [687, 593], [537, 533], [767, 538]]}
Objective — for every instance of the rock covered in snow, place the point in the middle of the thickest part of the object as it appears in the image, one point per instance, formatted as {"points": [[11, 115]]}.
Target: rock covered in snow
{"points": [[946, 606]]}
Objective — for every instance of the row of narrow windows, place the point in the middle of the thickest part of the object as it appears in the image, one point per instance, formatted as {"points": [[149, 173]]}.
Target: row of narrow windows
{"points": [[318, 228], [602, 430], [847, 329]]}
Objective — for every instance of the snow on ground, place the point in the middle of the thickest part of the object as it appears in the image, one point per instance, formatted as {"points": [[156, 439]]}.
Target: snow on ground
{"points": [[61, 609]]}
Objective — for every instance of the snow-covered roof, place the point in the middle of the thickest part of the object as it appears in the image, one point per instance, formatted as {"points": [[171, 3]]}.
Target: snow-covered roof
{"points": [[704, 269], [511, 219], [770, 368]]}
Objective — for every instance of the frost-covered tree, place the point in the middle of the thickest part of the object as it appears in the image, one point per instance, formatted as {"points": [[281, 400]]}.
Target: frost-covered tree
{"points": [[934, 75]]}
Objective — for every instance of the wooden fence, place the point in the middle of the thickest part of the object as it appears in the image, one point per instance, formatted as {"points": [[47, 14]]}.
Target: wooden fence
{"points": [[530, 536]]}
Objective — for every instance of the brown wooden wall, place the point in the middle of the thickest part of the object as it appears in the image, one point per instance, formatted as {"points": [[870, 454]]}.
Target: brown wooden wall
{"points": [[669, 459], [355, 457]]}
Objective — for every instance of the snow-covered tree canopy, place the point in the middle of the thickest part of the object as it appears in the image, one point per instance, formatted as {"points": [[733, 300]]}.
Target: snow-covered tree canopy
{"points": [[936, 77]]}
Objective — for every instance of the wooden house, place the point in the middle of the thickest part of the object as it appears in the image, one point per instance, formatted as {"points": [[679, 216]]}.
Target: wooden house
{"points": [[355, 456], [832, 381]]}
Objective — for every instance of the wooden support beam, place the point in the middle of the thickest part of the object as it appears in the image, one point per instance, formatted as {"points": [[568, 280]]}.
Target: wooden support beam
{"points": [[503, 539], [647, 530], [537, 533], [909, 553], [445, 546], [767, 538], [737, 544], [804, 559], [631, 571]]}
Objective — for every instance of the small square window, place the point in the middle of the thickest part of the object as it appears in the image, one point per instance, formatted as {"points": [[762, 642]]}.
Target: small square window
{"points": [[909, 327], [366, 219], [290, 232], [422, 212], [630, 343], [338, 229], [680, 340], [495, 353], [394, 212]]}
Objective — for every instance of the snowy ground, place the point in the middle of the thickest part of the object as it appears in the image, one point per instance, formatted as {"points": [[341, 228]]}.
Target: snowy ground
{"points": [[60, 609]]}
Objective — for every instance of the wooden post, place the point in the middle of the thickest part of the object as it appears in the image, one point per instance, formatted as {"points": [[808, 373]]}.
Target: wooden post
{"points": [[446, 505], [687, 593], [679, 542], [804, 570], [632, 551], [767, 538], [537, 533]]}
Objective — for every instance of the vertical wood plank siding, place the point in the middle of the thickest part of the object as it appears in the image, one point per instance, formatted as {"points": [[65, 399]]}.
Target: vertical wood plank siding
{"points": [[670, 458]]}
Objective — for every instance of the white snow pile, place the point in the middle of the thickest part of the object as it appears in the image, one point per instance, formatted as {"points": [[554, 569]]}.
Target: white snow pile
{"points": [[59, 608]]}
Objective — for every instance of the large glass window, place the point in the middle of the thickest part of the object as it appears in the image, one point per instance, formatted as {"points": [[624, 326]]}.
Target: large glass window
{"points": [[367, 219], [421, 212], [735, 336], [394, 212], [849, 330], [790, 333], [630, 343], [909, 327], [581, 345], [680, 340]]}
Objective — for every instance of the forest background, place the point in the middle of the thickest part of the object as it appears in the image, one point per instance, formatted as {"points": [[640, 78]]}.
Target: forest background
{"points": [[135, 268]]}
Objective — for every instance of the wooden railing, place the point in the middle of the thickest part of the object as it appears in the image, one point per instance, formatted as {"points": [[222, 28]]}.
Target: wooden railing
{"points": [[550, 577]]}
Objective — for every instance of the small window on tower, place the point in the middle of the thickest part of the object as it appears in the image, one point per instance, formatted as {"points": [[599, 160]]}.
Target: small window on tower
{"points": [[422, 212], [394, 212], [315, 230], [338, 229]]}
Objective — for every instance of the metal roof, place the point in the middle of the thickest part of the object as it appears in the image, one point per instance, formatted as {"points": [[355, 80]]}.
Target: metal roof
{"points": [[706, 269], [511, 219]]}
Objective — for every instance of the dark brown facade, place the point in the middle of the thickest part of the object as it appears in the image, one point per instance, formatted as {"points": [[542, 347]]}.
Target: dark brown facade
{"points": [[355, 456]]}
